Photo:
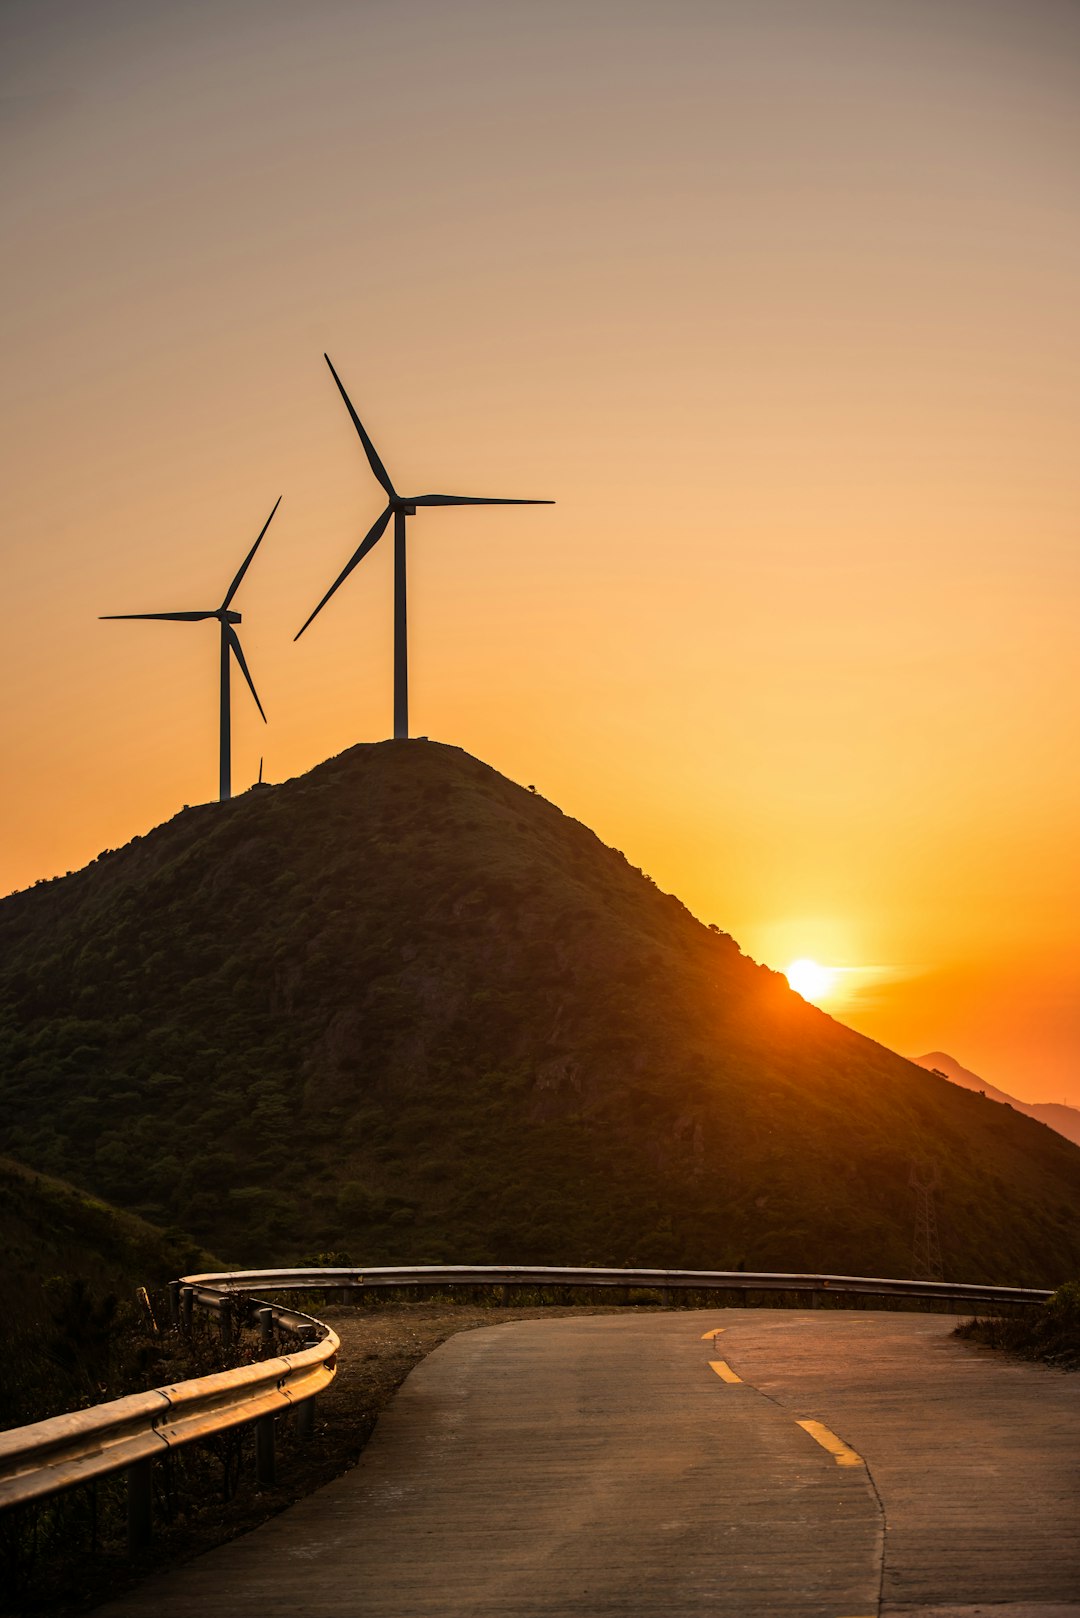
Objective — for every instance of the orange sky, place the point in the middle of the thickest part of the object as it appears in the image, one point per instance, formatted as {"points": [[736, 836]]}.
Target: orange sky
{"points": [[777, 300]]}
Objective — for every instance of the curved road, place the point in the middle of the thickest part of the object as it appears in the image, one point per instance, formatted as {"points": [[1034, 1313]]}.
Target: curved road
{"points": [[793, 1465]]}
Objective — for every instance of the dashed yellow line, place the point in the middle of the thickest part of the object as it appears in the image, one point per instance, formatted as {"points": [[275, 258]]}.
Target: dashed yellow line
{"points": [[840, 1452], [724, 1371]]}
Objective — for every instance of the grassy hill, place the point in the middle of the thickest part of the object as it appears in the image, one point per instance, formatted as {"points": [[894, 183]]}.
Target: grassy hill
{"points": [[402, 1008], [71, 1264], [50, 1231]]}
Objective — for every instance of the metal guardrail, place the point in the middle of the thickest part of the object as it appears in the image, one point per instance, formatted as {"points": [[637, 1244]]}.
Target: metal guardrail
{"points": [[128, 1434], [537, 1275]]}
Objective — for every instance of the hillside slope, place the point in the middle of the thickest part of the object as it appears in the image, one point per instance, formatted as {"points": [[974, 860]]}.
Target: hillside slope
{"points": [[1055, 1114], [51, 1231], [402, 1008]]}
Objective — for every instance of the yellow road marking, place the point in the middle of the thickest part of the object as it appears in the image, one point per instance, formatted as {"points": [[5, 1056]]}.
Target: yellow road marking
{"points": [[841, 1454], [714, 1333], [724, 1371]]}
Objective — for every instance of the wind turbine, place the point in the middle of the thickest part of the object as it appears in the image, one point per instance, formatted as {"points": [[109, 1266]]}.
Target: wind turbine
{"points": [[230, 647], [399, 506]]}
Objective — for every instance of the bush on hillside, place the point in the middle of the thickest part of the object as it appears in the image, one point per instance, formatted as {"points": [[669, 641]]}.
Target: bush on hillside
{"points": [[1050, 1333]]}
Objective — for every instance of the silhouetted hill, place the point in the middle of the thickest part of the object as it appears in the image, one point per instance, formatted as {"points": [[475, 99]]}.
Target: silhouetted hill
{"points": [[402, 1008], [1055, 1114]]}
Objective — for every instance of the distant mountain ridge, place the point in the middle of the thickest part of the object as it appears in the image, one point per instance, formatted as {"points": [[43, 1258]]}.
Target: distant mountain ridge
{"points": [[1064, 1119], [402, 1009]]}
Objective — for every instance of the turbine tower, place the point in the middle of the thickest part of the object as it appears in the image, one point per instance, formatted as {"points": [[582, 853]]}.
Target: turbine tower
{"points": [[399, 506], [230, 648]]}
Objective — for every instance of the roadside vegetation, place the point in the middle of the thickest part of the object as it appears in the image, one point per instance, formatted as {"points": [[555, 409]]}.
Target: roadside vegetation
{"points": [[1050, 1333], [66, 1552]]}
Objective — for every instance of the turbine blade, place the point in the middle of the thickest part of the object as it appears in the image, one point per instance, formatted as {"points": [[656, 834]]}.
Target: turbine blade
{"points": [[234, 641], [372, 537], [369, 448], [171, 617], [246, 563], [471, 500]]}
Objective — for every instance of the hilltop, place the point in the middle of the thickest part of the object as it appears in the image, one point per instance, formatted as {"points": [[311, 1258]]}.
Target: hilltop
{"points": [[1055, 1114], [403, 1009]]}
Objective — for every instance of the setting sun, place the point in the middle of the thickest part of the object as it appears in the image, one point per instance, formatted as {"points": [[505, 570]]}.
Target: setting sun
{"points": [[809, 979]]}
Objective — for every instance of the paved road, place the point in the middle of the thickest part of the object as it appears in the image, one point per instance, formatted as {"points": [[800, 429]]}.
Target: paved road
{"points": [[633, 1465]]}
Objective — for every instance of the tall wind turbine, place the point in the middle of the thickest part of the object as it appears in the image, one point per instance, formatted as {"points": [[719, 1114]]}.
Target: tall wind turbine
{"points": [[399, 506], [230, 647]]}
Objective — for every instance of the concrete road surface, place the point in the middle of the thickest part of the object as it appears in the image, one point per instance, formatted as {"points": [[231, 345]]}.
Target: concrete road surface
{"points": [[793, 1465]]}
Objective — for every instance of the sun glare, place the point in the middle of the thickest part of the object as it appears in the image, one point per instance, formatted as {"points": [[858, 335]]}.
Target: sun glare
{"points": [[810, 980]]}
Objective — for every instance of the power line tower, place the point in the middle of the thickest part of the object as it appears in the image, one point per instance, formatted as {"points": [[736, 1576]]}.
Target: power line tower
{"points": [[925, 1179]]}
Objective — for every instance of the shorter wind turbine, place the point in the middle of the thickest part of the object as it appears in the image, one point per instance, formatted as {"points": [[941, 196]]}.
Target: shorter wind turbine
{"points": [[399, 506], [230, 647]]}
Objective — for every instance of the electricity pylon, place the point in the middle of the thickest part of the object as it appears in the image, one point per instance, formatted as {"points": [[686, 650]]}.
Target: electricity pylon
{"points": [[925, 1179]]}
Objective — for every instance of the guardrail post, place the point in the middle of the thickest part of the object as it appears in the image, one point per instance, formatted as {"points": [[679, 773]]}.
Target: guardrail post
{"points": [[140, 1504], [305, 1421], [225, 1321], [265, 1317], [174, 1303], [264, 1451], [187, 1305], [815, 1301]]}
